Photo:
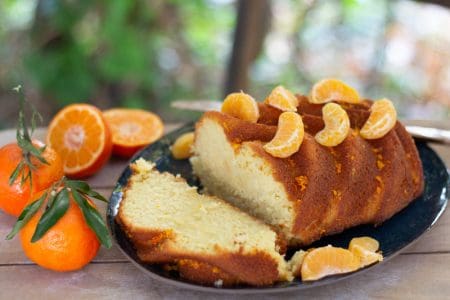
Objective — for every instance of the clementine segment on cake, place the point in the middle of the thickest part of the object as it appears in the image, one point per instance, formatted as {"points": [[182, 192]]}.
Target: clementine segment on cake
{"points": [[289, 136], [80, 135], [326, 261], [182, 147], [382, 119], [241, 106], [337, 125], [328, 90], [282, 99], [132, 129]]}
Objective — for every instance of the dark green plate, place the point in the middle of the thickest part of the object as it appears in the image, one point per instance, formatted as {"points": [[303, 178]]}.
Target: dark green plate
{"points": [[394, 235]]}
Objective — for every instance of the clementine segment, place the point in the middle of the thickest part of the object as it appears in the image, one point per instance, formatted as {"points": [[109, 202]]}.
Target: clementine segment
{"points": [[67, 246], [328, 90], [282, 99], [241, 106], [182, 147], [326, 261], [366, 249], [337, 125], [13, 198], [289, 136], [365, 242], [132, 129], [81, 136], [382, 119]]}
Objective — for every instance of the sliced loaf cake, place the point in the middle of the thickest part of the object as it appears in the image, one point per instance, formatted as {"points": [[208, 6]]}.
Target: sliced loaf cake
{"points": [[316, 191], [204, 237]]}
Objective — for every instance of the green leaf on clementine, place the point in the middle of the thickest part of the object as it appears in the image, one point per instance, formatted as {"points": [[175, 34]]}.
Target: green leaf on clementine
{"points": [[93, 219], [52, 215], [28, 212]]}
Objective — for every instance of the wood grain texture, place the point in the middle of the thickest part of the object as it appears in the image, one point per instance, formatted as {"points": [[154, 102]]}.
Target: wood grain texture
{"points": [[404, 277], [422, 271]]}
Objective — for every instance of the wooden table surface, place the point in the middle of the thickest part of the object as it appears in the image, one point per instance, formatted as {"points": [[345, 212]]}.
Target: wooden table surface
{"points": [[420, 272]]}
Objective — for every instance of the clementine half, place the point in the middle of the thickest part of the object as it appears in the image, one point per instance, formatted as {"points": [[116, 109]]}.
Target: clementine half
{"points": [[81, 136], [132, 129]]}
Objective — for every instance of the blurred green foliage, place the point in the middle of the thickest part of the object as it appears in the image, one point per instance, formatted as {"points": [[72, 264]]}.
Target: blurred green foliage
{"points": [[146, 53], [128, 53]]}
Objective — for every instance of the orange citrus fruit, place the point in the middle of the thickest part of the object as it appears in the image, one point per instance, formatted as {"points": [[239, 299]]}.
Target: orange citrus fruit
{"points": [[13, 198], [132, 129], [337, 125], [282, 99], [326, 261], [289, 136], [82, 138], [182, 147], [366, 249], [382, 119], [67, 246], [328, 90], [241, 106], [365, 242]]}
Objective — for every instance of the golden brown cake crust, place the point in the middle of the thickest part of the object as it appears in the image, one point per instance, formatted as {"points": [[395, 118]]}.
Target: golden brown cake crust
{"points": [[256, 268], [205, 274], [333, 188]]}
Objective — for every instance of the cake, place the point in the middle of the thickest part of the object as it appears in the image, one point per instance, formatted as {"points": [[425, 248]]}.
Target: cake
{"points": [[203, 237], [277, 174], [318, 190]]}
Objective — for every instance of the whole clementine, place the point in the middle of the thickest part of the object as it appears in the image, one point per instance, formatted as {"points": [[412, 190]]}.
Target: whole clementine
{"points": [[68, 245], [13, 198]]}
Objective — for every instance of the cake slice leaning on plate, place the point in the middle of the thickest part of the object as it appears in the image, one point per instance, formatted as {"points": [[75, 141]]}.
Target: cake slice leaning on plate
{"points": [[205, 238]]}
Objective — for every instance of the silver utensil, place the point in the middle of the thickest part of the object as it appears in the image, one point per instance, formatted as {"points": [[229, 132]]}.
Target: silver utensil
{"points": [[428, 134]]}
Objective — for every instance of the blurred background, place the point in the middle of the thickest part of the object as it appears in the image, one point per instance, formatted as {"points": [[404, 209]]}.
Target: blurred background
{"points": [[148, 53]]}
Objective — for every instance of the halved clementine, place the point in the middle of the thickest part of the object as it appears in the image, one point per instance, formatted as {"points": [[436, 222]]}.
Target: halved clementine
{"points": [[282, 99], [328, 90], [337, 125], [81, 136], [382, 119], [182, 147], [366, 249], [289, 136], [326, 261], [241, 106], [132, 129]]}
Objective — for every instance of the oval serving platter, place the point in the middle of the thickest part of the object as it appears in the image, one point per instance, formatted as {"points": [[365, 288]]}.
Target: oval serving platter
{"points": [[394, 235]]}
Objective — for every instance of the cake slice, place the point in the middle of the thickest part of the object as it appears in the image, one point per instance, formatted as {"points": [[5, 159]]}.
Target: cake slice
{"points": [[204, 237]]}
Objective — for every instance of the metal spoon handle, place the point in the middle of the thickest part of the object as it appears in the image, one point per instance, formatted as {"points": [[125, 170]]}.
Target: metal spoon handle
{"points": [[430, 134]]}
